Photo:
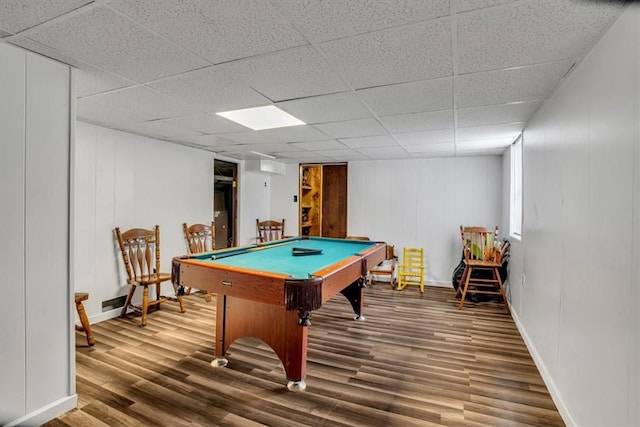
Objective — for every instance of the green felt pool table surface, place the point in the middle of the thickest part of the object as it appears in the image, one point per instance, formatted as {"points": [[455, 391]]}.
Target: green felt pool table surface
{"points": [[277, 257]]}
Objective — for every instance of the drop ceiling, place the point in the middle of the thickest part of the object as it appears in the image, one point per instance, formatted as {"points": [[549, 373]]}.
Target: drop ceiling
{"points": [[372, 79]]}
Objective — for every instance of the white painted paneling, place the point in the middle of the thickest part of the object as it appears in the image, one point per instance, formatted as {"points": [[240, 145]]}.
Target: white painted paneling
{"points": [[12, 227], [579, 307], [36, 291], [47, 226], [255, 203], [132, 182], [283, 188], [84, 243], [422, 203]]}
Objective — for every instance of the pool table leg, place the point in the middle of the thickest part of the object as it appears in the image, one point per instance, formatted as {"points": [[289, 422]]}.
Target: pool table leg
{"points": [[355, 294], [277, 327]]}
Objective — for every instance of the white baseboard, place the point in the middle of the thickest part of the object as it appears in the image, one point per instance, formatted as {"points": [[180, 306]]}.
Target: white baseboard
{"points": [[46, 413], [546, 376]]}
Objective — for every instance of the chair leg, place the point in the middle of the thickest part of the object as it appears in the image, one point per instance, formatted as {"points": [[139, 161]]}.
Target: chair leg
{"points": [[459, 290], [127, 303], [145, 304], [207, 298], [466, 275], [496, 275], [86, 327]]}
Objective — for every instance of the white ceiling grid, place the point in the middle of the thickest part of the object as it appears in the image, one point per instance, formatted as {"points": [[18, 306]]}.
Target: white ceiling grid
{"points": [[373, 79]]}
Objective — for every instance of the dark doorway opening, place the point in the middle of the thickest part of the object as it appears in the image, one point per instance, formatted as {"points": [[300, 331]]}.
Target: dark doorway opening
{"points": [[224, 202]]}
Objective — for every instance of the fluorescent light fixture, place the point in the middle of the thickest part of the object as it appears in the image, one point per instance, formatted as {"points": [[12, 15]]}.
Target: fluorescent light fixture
{"points": [[259, 118]]}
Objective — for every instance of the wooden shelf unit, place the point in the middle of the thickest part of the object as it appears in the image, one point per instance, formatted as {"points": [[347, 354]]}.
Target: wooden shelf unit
{"points": [[310, 200], [323, 200]]}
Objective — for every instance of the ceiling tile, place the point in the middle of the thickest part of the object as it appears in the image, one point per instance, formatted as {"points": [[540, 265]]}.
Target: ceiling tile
{"points": [[113, 43], [295, 133], [208, 140], [34, 46], [530, 32], [416, 97], [207, 123], [90, 81], [294, 73], [270, 147], [370, 141], [385, 153], [326, 108], [303, 156], [247, 27], [327, 20], [344, 152], [425, 138], [511, 130], [497, 114], [211, 89], [19, 15], [159, 129], [443, 149], [146, 101], [249, 137], [92, 111], [352, 128], [419, 121], [458, 6], [512, 85], [320, 145], [403, 54]]}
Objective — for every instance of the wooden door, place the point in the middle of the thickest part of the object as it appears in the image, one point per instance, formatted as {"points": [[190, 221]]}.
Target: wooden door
{"points": [[334, 201]]}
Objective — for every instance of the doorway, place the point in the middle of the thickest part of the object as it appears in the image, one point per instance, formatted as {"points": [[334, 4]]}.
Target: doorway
{"points": [[225, 202]]}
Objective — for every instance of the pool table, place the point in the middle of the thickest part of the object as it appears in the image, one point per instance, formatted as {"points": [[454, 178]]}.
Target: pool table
{"points": [[268, 291]]}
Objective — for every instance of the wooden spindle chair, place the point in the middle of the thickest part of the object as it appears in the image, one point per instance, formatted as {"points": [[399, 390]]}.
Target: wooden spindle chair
{"points": [[482, 252], [270, 230], [140, 250], [200, 238]]}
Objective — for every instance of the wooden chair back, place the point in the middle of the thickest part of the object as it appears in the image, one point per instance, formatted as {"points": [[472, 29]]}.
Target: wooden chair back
{"points": [[199, 237], [268, 231], [140, 252], [479, 243]]}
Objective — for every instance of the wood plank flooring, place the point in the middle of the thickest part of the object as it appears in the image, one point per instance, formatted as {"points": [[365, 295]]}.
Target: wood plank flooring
{"points": [[415, 361]]}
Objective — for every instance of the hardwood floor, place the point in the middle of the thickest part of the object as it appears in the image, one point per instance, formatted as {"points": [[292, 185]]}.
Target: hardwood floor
{"points": [[415, 361]]}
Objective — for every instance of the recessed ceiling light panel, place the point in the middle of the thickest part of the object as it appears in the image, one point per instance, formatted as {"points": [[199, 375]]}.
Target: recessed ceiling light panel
{"points": [[259, 118]]}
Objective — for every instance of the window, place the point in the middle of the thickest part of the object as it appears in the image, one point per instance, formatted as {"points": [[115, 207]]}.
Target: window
{"points": [[515, 223]]}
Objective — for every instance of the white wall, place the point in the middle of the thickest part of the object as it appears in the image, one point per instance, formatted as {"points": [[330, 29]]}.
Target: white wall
{"points": [[422, 203], [409, 203], [132, 182], [255, 202], [35, 285], [578, 310], [284, 187]]}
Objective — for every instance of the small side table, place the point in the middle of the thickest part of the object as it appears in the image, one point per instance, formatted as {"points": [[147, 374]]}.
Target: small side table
{"points": [[86, 327]]}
